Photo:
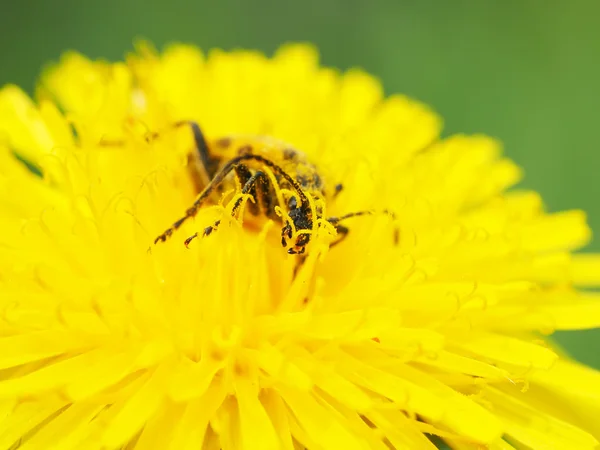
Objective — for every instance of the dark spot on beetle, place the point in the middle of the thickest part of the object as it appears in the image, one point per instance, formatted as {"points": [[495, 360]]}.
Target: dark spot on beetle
{"points": [[317, 180], [289, 154], [223, 143], [303, 181], [245, 150]]}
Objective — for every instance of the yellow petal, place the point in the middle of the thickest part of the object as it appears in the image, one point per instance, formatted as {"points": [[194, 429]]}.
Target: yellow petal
{"points": [[585, 269], [534, 428], [135, 411], [509, 350], [22, 126], [255, 425]]}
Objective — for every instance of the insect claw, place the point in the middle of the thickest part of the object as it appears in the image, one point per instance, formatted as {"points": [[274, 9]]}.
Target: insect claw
{"points": [[162, 238], [190, 239]]}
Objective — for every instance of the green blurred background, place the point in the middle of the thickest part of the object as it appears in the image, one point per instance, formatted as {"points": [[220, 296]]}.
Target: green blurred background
{"points": [[527, 72]]}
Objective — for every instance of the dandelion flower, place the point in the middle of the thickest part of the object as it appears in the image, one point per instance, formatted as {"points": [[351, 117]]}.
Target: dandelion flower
{"points": [[109, 341]]}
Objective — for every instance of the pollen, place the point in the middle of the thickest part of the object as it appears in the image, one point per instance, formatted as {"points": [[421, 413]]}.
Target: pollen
{"points": [[428, 322]]}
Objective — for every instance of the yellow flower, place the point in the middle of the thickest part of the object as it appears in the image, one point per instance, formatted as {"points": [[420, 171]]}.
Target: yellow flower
{"points": [[108, 341]]}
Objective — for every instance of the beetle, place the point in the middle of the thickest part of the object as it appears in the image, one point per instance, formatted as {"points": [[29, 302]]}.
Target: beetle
{"points": [[263, 167]]}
